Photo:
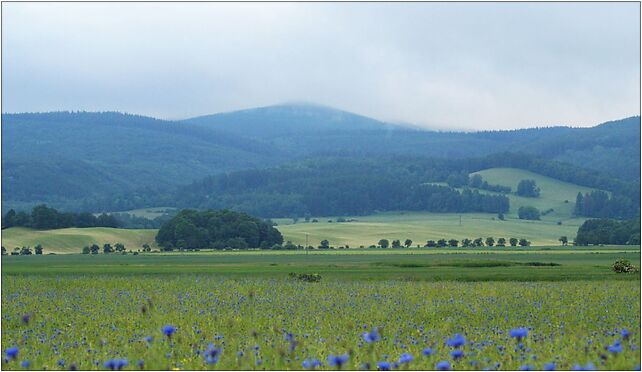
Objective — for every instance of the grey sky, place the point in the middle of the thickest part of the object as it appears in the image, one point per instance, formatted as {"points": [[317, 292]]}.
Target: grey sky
{"points": [[444, 65]]}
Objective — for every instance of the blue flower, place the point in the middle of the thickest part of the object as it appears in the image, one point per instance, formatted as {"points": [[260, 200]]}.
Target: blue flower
{"points": [[212, 354], [588, 367], [140, 364], [443, 366], [518, 333], [337, 360], [406, 358], [526, 367], [116, 364], [12, 352], [625, 333], [149, 338], [311, 363], [168, 330], [457, 341], [372, 336], [26, 318], [427, 351], [25, 364], [615, 348], [456, 354], [383, 366], [61, 362], [549, 366]]}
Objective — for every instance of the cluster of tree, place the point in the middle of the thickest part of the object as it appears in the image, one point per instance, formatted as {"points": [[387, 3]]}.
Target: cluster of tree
{"points": [[45, 218], [476, 181], [478, 242], [598, 204], [24, 251], [527, 188], [191, 229], [528, 213], [108, 248], [384, 243], [609, 231]]}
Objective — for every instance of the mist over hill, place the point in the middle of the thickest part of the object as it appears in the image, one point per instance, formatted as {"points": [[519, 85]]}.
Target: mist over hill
{"points": [[68, 159]]}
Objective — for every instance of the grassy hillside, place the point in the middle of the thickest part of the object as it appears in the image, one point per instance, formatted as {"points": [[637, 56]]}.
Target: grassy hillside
{"points": [[73, 239], [555, 194]]}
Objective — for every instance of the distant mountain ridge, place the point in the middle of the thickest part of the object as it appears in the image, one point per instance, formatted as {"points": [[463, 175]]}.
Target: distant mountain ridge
{"points": [[63, 158]]}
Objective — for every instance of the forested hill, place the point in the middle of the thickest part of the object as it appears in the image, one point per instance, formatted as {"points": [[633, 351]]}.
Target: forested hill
{"points": [[69, 159]]}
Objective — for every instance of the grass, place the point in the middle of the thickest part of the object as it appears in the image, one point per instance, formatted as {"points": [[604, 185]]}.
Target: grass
{"points": [[554, 194], [72, 240], [422, 226], [533, 263]]}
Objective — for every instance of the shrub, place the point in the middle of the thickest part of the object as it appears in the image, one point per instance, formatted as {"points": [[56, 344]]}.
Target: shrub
{"points": [[623, 266], [306, 277]]}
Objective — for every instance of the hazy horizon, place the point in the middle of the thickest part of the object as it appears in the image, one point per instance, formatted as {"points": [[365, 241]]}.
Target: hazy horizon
{"points": [[445, 66]]}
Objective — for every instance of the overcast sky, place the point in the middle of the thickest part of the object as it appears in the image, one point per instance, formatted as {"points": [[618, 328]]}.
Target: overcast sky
{"points": [[441, 65]]}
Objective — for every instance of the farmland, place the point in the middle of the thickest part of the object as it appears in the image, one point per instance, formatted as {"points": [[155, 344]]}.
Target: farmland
{"points": [[241, 310]]}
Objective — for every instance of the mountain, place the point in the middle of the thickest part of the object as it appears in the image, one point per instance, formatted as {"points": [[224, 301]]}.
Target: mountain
{"points": [[68, 159]]}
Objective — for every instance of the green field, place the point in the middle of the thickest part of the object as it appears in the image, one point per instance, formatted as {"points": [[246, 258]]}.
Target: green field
{"points": [[554, 194], [72, 240], [241, 310]]}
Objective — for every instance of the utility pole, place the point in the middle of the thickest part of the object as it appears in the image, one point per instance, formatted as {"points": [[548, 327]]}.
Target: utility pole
{"points": [[306, 244], [460, 220]]}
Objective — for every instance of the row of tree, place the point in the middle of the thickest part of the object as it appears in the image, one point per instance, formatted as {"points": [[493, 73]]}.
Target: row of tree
{"points": [[45, 218], [24, 251]]}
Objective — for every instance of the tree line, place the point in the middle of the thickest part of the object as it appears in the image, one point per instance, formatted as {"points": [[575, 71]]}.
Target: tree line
{"points": [[45, 218], [599, 204], [609, 231]]}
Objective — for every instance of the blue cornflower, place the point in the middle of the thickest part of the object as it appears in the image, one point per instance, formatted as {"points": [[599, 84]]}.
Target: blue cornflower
{"points": [[457, 341], [337, 360], [116, 364], [140, 364], [61, 362], [212, 354], [625, 334], [383, 366], [427, 351], [519, 333], [549, 366], [311, 363], [12, 352], [26, 318], [372, 336], [168, 330], [406, 358], [443, 366], [25, 364], [149, 338], [615, 348], [588, 367], [456, 354], [526, 367]]}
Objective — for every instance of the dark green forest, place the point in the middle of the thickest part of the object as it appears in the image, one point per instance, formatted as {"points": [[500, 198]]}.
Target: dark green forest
{"points": [[82, 161], [191, 229], [609, 231]]}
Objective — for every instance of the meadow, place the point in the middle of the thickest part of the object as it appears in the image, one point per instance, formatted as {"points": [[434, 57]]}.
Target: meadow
{"points": [[522, 308]]}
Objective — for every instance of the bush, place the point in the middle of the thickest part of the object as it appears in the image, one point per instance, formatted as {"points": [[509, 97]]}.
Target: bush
{"points": [[623, 266], [528, 213], [306, 277]]}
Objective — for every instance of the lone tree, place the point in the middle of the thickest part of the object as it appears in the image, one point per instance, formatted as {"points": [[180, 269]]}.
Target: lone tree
{"points": [[528, 213], [396, 243], [479, 242], [453, 242], [383, 243], [431, 243], [513, 241], [325, 244], [466, 242], [563, 240], [528, 188], [441, 243], [490, 241], [94, 248], [38, 249], [524, 243], [501, 242], [119, 247], [407, 243], [107, 248]]}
